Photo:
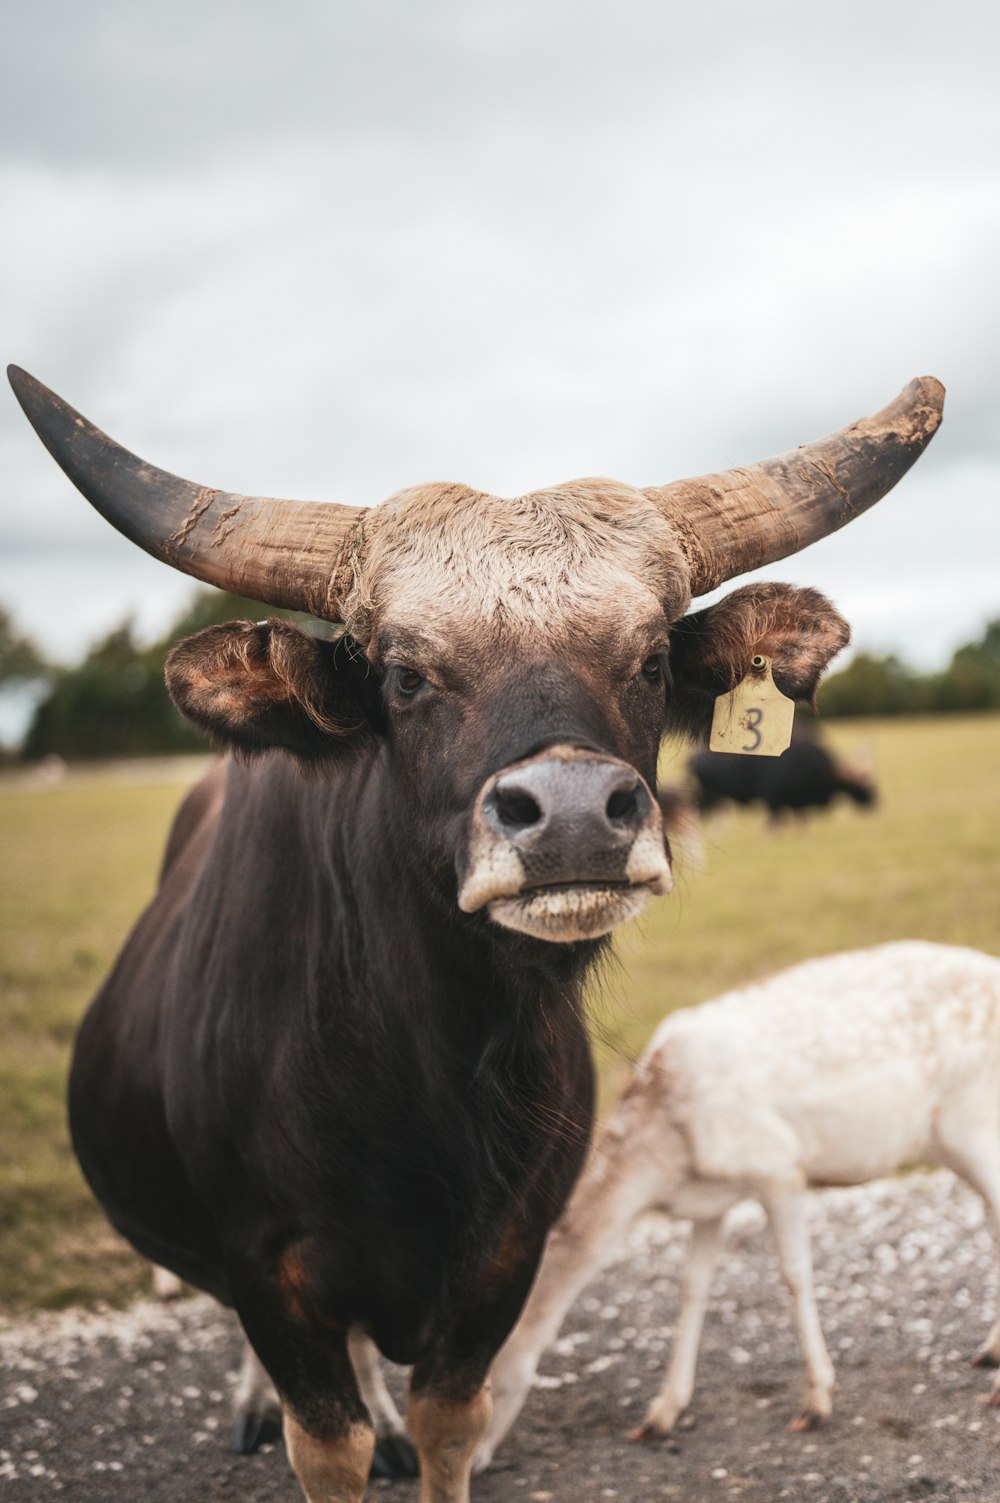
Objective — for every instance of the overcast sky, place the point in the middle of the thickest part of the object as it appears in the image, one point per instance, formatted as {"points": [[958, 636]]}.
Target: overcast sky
{"points": [[327, 250]]}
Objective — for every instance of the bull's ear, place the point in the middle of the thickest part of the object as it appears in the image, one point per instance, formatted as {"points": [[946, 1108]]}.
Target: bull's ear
{"points": [[710, 650], [256, 685]]}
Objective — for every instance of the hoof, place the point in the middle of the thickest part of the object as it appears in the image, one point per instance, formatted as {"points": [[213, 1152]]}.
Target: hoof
{"points": [[807, 1420], [647, 1433], [395, 1456], [993, 1402], [984, 1359], [250, 1431], [166, 1285]]}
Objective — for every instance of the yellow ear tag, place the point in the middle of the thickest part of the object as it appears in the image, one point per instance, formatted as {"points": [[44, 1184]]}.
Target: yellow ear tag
{"points": [[755, 718]]}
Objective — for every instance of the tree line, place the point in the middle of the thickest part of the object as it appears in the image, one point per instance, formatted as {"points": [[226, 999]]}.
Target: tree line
{"points": [[114, 703], [884, 685]]}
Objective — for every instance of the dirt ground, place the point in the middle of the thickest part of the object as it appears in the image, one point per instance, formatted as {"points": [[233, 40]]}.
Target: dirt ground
{"points": [[135, 1405]]}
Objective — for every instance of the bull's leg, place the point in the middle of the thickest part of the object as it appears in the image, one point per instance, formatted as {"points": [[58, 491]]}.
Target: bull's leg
{"points": [[331, 1466], [328, 1435], [447, 1430], [257, 1408], [394, 1453], [678, 1386], [788, 1214], [450, 1402]]}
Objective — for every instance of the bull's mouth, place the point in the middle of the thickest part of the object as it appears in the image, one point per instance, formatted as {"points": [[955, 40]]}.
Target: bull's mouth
{"points": [[562, 912]]}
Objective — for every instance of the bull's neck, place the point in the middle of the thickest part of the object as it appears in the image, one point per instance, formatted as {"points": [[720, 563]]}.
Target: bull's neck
{"points": [[395, 894]]}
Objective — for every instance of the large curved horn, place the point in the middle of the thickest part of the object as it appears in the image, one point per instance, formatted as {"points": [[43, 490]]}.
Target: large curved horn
{"points": [[741, 519], [292, 554]]}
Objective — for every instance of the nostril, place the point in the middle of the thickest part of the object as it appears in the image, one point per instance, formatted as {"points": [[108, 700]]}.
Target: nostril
{"points": [[623, 803], [516, 808]]}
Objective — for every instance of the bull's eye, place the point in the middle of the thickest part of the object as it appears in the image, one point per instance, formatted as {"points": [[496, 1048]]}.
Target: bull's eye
{"points": [[651, 668], [408, 681]]}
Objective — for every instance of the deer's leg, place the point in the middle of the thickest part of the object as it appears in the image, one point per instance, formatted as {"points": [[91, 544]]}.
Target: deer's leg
{"points": [[256, 1406], [788, 1213], [678, 1385], [968, 1143], [633, 1166], [615, 1187]]}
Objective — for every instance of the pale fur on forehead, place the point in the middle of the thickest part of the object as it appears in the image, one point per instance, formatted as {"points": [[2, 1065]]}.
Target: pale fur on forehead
{"points": [[587, 549]]}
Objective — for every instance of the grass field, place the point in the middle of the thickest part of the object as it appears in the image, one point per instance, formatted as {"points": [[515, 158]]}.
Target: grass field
{"points": [[80, 860]]}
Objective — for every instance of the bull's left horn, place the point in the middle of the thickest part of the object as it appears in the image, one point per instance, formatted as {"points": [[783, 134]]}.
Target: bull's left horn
{"points": [[741, 519], [292, 554]]}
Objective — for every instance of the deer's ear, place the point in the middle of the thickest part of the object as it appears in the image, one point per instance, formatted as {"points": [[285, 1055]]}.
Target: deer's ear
{"points": [[710, 650], [259, 685]]}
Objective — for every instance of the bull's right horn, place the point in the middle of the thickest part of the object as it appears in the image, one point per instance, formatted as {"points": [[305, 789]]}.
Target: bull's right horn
{"points": [[292, 554], [741, 519]]}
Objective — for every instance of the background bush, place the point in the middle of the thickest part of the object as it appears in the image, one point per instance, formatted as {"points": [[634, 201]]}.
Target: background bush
{"points": [[114, 703]]}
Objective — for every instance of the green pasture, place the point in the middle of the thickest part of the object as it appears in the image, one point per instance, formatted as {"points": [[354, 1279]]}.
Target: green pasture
{"points": [[80, 859]]}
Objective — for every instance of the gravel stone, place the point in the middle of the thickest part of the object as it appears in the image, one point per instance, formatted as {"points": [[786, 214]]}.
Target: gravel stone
{"points": [[105, 1405]]}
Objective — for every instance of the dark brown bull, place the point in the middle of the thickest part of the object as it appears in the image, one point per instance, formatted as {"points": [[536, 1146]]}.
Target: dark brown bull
{"points": [[806, 776], [339, 1076]]}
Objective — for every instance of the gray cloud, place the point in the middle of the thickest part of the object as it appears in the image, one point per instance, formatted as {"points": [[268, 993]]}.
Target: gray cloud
{"points": [[341, 249]]}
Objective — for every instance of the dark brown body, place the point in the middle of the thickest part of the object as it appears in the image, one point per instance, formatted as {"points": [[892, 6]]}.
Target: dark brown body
{"points": [[806, 776], [302, 1096]]}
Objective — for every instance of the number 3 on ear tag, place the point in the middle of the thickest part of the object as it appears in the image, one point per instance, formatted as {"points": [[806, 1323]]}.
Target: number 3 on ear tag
{"points": [[755, 718]]}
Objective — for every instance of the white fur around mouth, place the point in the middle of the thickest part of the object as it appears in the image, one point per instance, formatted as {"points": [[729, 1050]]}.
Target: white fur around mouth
{"points": [[564, 914]]}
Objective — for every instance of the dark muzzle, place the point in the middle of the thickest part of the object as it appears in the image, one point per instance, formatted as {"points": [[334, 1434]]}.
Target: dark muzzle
{"points": [[566, 821], [569, 821]]}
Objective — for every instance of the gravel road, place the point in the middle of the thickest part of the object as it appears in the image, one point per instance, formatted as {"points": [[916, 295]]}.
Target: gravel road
{"points": [[135, 1405]]}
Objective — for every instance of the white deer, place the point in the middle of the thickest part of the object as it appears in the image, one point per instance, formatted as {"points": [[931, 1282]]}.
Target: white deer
{"points": [[835, 1072]]}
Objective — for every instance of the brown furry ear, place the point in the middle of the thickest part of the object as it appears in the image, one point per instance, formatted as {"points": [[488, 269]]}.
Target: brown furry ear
{"points": [[710, 650], [258, 685]]}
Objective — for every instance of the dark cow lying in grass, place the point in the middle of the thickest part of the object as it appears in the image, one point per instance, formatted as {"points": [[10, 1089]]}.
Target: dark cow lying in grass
{"points": [[339, 1076], [806, 776]]}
